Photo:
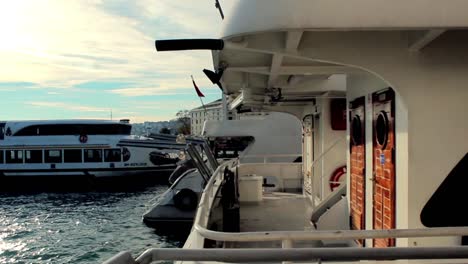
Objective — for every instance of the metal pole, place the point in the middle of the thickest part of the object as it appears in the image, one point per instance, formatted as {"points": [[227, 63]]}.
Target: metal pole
{"points": [[213, 162], [329, 234], [201, 166], [225, 116], [302, 254]]}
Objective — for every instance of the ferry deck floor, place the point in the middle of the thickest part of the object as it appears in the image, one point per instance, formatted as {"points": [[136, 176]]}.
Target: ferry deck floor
{"points": [[277, 211]]}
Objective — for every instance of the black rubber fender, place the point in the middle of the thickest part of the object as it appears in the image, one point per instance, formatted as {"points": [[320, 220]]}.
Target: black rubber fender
{"points": [[186, 200]]}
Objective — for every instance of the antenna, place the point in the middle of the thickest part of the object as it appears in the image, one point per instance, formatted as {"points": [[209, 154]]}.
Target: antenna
{"points": [[111, 114], [218, 6]]}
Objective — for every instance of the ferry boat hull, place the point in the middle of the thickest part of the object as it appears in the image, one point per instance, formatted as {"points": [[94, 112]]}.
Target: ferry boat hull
{"points": [[66, 181], [75, 153]]}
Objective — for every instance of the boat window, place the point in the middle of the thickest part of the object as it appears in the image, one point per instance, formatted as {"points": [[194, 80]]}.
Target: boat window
{"points": [[2, 131], [112, 155], [1, 156], [14, 156], [72, 156], [445, 207], [53, 156], [75, 129], [229, 147], [33, 156], [93, 155]]}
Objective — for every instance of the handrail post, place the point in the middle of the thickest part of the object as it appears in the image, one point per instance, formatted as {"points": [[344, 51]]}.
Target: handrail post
{"points": [[286, 244]]}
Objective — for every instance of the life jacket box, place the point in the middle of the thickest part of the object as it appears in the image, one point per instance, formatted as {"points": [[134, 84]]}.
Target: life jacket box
{"points": [[250, 188]]}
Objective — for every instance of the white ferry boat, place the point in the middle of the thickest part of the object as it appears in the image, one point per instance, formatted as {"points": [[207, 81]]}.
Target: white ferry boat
{"points": [[71, 149], [401, 67]]}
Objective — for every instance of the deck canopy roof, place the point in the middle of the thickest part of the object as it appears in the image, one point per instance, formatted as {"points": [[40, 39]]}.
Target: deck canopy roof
{"points": [[266, 42]]}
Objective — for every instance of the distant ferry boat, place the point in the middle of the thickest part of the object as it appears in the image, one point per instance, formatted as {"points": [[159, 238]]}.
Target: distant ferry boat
{"points": [[90, 148]]}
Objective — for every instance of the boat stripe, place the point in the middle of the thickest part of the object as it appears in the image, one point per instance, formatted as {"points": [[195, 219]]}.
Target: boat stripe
{"points": [[161, 167], [35, 147]]}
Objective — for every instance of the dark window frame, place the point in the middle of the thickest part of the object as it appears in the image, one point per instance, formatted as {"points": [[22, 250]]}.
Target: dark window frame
{"points": [[67, 158], [16, 159], [2, 161], [74, 129], [33, 158], [114, 157], [52, 159], [92, 159], [2, 131]]}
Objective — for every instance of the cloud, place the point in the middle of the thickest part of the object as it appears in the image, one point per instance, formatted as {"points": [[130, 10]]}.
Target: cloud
{"points": [[148, 91], [63, 48], [63, 43], [7, 90], [67, 106], [163, 105], [134, 118]]}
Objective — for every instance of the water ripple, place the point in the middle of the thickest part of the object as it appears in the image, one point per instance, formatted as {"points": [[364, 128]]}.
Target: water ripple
{"points": [[75, 227]]}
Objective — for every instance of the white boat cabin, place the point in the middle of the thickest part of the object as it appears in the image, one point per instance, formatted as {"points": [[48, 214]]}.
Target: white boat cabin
{"points": [[400, 66]]}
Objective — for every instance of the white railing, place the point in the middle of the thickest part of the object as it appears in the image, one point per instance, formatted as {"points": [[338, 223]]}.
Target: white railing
{"points": [[265, 236], [208, 197], [209, 194], [317, 255], [199, 233], [266, 157]]}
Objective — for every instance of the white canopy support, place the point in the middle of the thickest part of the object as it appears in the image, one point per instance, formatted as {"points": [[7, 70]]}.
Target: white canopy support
{"points": [[419, 40]]}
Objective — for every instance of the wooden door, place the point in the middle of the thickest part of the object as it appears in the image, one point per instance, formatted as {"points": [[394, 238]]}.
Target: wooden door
{"points": [[384, 210], [358, 165]]}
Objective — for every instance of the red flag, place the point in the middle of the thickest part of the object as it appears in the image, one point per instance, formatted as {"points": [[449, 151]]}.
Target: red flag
{"points": [[199, 93]]}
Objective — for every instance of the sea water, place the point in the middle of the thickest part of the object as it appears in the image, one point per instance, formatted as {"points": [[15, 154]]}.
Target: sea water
{"points": [[77, 227]]}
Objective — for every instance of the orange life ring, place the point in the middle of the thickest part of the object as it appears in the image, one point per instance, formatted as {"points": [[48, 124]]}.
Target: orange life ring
{"points": [[336, 176], [83, 138]]}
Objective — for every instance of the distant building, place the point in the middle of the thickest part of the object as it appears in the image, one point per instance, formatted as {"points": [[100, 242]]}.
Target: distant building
{"points": [[214, 111], [143, 129]]}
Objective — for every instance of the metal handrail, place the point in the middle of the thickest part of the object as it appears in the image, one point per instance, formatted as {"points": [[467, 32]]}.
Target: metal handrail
{"points": [[323, 154], [297, 254], [272, 155], [205, 202], [265, 157], [288, 254], [329, 234], [199, 163]]}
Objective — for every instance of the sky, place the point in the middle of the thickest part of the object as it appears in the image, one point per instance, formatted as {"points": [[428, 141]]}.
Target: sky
{"points": [[87, 58]]}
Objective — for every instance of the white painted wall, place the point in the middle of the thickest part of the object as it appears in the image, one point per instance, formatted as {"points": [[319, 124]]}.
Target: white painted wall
{"points": [[325, 137], [274, 134], [430, 115], [266, 15], [288, 175], [336, 156], [431, 106], [430, 85]]}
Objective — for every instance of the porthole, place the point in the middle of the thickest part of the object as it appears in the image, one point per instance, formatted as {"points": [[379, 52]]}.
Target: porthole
{"points": [[356, 131], [382, 129]]}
